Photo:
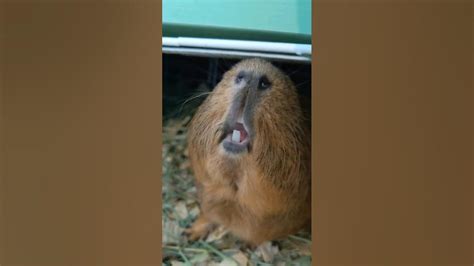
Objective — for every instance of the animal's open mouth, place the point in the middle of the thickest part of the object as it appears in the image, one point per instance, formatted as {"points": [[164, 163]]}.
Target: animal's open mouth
{"points": [[236, 138], [238, 134]]}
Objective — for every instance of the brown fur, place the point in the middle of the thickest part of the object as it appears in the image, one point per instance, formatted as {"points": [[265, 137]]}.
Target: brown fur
{"points": [[263, 194]]}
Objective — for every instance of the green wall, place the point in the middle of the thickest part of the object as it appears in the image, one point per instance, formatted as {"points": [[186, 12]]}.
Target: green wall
{"points": [[272, 20]]}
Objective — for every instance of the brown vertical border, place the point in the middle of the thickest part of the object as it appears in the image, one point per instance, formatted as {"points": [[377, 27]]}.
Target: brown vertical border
{"points": [[81, 131], [393, 143], [2, 155]]}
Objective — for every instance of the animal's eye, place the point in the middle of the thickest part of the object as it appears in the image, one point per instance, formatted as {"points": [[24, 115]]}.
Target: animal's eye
{"points": [[264, 83], [239, 78]]}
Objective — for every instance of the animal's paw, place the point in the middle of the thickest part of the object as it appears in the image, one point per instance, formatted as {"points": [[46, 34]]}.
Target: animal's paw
{"points": [[267, 251], [199, 229]]}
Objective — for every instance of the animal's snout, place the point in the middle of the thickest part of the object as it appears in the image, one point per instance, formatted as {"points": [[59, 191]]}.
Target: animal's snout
{"points": [[242, 77], [252, 81], [250, 86]]}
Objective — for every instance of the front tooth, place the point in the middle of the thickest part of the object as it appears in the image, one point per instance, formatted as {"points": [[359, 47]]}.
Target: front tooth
{"points": [[236, 136]]}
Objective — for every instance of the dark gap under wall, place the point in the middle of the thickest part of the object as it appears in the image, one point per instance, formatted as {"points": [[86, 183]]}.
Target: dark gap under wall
{"points": [[186, 77]]}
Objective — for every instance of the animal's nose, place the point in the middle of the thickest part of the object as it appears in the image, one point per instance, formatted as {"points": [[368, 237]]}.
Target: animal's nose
{"points": [[242, 76], [246, 78], [251, 82]]}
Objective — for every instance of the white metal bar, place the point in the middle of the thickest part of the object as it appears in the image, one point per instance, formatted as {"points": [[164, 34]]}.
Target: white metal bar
{"points": [[234, 54], [239, 45]]}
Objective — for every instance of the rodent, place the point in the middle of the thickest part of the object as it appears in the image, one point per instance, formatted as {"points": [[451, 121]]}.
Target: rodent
{"points": [[257, 183]]}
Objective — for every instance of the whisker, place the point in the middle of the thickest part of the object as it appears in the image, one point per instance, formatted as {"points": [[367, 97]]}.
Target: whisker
{"points": [[294, 72], [301, 83], [193, 98]]}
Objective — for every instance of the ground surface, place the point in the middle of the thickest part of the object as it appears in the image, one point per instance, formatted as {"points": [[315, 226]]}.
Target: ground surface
{"points": [[180, 208]]}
